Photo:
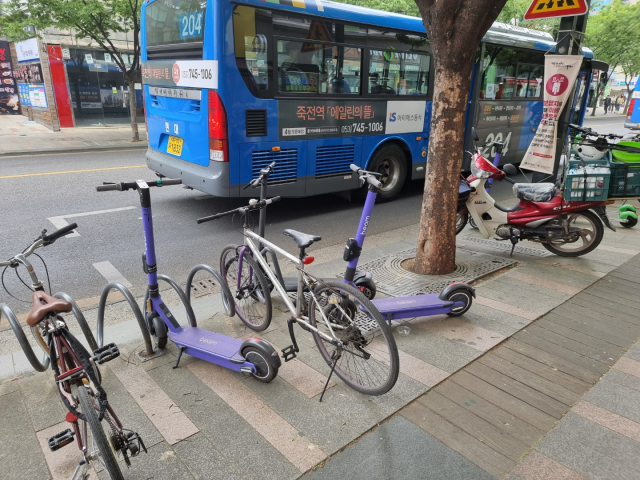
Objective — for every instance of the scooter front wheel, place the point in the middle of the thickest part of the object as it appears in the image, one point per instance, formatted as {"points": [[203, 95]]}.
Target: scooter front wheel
{"points": [[579, 242]]}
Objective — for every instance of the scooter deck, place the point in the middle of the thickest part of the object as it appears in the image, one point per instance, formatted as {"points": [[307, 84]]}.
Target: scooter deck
{"points": [[211, 346], [413, 306]]}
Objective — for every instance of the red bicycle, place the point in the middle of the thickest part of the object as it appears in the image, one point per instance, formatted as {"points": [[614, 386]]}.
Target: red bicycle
{"points": [[76, 371]]}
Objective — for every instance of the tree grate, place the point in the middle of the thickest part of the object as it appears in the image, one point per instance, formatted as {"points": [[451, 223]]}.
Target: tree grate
{"points": [[506, 246], [393, 280]]}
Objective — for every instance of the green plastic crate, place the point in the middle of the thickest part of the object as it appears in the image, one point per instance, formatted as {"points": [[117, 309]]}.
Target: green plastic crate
{"points": [[576, 162], [625, 180], [579, 187]]}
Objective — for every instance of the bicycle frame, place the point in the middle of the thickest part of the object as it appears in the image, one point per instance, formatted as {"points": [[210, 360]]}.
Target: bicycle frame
{"points": [[297, 308]]}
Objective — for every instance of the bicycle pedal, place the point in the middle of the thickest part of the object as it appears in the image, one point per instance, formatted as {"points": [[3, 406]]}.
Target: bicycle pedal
{"points": [[289, 353], [106, 353], [61, 439]]}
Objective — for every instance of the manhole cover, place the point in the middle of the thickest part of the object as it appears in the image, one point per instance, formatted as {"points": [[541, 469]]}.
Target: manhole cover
{"points": [[506, 246], [391, 279], [203, 287]]}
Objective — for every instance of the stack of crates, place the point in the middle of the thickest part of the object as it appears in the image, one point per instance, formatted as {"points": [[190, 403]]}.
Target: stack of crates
{"points": [[625, 173], [587, 181]]}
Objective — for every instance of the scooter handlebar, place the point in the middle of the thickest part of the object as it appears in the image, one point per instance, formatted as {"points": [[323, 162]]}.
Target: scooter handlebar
{"points": [[369, 177]]}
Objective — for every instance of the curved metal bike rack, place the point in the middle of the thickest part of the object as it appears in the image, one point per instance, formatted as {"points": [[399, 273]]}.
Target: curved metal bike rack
{"points": [[136, 310], [183, 298], [88, 334], [228, 305], [22, 340]]}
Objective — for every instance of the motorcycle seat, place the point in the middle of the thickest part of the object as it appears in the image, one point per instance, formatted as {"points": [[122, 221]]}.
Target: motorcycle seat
{"points": [[535, 192]]}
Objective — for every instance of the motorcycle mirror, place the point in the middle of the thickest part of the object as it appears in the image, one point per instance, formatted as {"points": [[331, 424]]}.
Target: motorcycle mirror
{"points": [[474, 134], [510, 169]]}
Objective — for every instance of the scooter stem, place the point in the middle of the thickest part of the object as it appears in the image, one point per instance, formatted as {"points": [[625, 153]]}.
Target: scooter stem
{"points": [[361, 233]]}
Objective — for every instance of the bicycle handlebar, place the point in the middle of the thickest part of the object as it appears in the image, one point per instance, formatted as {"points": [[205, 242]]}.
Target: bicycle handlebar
{"points": [[369, 177], [255, 206], [42, 241], [49, 239], [124, 186], [264, 175]]}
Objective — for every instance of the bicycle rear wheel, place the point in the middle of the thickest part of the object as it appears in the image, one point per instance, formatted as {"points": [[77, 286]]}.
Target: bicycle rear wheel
{"points": [[369, 360], [249, 289], [105, 452]]}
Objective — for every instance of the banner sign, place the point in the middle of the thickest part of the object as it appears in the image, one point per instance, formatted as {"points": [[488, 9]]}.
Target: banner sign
{"points": [[27, 50], [181, 73], [305, 119], [9, 97], [560, 73]]}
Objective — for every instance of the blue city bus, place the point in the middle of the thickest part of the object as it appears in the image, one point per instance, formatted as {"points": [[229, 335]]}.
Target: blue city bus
{"points": [[231, 86]]}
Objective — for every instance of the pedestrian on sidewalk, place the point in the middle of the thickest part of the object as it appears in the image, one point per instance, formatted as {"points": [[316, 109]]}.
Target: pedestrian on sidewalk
{"points": [[607, 104], [620, 103]]}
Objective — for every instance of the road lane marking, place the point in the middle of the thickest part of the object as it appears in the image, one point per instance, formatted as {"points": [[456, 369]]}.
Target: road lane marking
{"points": [[111, 273], [70, 171], [60, 221]]}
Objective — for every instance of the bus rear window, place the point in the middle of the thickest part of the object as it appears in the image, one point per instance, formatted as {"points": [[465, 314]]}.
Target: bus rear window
{"points": [[171, 22]]}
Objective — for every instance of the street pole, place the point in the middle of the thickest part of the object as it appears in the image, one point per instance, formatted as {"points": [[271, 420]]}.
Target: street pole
{"points": [[569, 42]]}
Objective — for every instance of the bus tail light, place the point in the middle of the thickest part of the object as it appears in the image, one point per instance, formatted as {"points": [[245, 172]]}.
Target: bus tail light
{"points": [[631, 105], [218, 143]]}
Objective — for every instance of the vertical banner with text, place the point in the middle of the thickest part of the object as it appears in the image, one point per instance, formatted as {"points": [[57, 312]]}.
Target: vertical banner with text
{"points": [[560, 73]]}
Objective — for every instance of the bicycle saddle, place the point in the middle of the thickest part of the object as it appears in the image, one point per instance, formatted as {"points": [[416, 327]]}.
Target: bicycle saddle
{"points": [[303, 240], [39, 309]]}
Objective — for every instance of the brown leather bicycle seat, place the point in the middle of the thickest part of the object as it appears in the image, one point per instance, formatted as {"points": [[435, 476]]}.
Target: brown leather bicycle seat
{"points": [[43, 304]]}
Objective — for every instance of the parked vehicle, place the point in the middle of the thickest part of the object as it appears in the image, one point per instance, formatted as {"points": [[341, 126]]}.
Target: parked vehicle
{"points": [[568, 229]]}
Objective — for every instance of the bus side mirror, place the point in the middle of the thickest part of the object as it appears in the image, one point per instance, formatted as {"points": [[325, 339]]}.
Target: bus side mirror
{"points": [[474, 134]]}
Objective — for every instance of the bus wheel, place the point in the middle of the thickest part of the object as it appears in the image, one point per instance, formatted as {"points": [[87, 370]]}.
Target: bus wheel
{"points": [[391, 162]]}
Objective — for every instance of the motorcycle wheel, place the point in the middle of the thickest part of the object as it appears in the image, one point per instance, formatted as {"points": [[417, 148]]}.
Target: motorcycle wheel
{"points": [[461, 221], [472, 222], [585, 241]]}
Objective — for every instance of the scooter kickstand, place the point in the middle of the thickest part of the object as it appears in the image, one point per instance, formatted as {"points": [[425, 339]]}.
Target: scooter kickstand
{"points": [[182, 349], [335, 356]]}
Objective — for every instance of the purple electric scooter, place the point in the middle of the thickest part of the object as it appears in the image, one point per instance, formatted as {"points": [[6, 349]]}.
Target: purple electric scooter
{"points": [[454, 300], [253, 356]]}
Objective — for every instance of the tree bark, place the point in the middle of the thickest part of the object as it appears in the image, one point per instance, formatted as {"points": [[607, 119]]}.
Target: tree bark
{"points": [[595, 103], [436, 252], [135, 137], [455, 29]]}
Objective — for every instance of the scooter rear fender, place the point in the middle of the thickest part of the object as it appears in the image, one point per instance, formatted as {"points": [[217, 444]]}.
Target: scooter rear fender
{"points": [[265, 347], [454, 286]]}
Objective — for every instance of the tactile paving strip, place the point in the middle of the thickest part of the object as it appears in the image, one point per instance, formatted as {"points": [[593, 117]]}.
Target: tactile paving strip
{"points": [[391, 279], [506, 246]]}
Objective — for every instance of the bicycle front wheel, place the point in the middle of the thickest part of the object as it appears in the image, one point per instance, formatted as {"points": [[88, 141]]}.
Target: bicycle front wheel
{"points": [[369, 358], [101, 446], [249, 289]]}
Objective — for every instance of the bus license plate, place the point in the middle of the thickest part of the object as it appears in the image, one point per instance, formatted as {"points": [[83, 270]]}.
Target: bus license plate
{"points": [[174, 147]]}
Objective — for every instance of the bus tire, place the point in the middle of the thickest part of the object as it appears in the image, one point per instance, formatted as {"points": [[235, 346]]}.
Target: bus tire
{"points": [[391, 161]]}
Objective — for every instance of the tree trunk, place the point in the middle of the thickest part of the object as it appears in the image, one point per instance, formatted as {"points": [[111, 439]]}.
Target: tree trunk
{"points": [[436, 252], [627, 101], [135, 137], [455, 29], [595, 103]]}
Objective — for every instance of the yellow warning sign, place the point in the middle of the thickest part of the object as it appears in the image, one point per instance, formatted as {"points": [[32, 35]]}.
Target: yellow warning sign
{"points": [[555, 8], [317, 31]]}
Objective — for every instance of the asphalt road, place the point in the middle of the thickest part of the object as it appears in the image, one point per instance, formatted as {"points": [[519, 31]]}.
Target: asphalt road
{"points": [[36, 188], [31, 196]]}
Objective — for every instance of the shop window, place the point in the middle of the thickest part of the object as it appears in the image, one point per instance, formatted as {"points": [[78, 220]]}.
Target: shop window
{"points": [[398, 73], [318, 69]]}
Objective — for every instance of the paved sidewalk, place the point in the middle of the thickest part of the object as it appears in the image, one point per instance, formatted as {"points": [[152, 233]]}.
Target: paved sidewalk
{"points": [[600, 114], [20, 138], [200, 421]]}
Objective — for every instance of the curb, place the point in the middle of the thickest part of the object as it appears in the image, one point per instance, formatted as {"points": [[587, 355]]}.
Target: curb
{"points": [[23, 153]]}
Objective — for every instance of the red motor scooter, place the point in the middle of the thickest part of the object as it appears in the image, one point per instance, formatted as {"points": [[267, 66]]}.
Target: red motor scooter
{"points": [[568, 229]]}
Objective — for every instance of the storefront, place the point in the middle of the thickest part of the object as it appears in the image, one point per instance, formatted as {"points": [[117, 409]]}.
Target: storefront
{"points": [[99, 93]]}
